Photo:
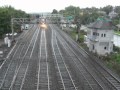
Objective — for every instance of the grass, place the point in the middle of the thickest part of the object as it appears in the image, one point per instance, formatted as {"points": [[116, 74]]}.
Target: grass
{"points": [[114, 62], [81, 34], [117, 32], [73, 34]]}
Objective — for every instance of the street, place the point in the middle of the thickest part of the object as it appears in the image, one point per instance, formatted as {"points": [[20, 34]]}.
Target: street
{"points": [[49, 59]]}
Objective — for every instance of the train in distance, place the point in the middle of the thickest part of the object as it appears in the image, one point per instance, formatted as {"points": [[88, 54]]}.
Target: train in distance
{"points": [[42, 22]]}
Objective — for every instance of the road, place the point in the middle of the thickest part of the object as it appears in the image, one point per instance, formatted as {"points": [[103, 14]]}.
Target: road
{"points": [[51, 60]]}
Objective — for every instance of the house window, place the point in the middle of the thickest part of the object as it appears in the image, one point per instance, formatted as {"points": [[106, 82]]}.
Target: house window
{"points": [[94, 33], [97, 34], [104, 35], [105, 48], [93, 47], [101, 35]]}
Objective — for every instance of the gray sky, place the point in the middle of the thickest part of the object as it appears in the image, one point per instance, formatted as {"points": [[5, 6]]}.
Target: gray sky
{"points": [[48, 5]]}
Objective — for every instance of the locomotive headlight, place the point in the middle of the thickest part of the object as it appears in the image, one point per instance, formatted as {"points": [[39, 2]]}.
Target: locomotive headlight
{"points": [[43, 25]]}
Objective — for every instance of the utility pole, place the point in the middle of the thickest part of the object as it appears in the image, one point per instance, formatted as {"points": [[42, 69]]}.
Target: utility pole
{"points": [[119, 23], [12, 29], [78, 29]]}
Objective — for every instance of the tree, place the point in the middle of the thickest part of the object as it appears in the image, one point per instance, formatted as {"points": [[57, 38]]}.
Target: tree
{"points": [[54, 11], [88, 15], [72, 11], [6, 13], [107, 9], [117, 9], [62, 11]]}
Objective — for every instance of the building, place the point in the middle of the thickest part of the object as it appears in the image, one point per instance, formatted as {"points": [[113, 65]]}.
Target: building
{"points": [[100, 36], [118, 26], [112, 14], [101, 12], [63, 22], [84, 28]]}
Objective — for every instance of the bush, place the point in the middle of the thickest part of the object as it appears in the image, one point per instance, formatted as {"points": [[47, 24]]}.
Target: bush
{"points": [[116, 49]]}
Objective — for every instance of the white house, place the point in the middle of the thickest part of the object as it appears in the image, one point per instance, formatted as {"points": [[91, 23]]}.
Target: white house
{"points": [[84, 28], [63, 23], [101, 12], [100, 36], [118, 26], [112, 14]]}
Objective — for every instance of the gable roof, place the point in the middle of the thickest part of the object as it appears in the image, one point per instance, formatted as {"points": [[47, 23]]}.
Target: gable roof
{"points": [[102, 24]]}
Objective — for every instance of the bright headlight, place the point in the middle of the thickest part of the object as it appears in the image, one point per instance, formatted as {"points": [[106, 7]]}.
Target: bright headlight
{"points": [[43, 25]]}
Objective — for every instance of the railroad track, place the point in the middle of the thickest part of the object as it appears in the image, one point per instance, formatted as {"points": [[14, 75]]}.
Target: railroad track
{"points": [[88, 80], [52, 67], [111, 80], [20, 75], [64, 76], [43, 71], [30, 78], [29, 65], [9, 67]]}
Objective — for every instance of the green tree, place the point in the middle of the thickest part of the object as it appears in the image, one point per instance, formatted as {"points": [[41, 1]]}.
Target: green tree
{"points": [[107, 9], [62, 12], [6, 13], [117, 9], [54, 11]]}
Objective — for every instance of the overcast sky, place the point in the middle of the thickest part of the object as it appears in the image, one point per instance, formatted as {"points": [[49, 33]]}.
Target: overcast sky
{"points": [[48, 5]]}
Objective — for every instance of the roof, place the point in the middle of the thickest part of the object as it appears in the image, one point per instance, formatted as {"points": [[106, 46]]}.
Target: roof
{"points": [[101, 23]]}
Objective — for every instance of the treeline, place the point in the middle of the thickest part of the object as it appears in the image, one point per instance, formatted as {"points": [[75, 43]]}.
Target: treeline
{"points": [[6, 13], [87, 15]]}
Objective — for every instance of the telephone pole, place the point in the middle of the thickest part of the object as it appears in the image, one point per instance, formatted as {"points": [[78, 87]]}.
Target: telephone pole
{"points": [[78, 28], [12, 29]]}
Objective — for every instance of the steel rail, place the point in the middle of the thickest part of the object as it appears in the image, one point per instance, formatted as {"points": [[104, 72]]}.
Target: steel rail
{"points": [[72, 81], [43, 46], [29, 61], [17, 70], [81, 63], [58, 65], [114, 81]]}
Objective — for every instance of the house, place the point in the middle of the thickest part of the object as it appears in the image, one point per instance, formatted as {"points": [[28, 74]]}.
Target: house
{"points": [[112, 14], [63, 22], [100, 36], [101, 12], [83, 28], [72, 25], [118, 26]]}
